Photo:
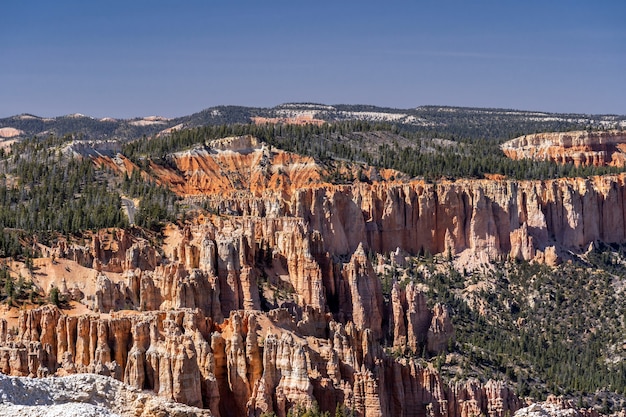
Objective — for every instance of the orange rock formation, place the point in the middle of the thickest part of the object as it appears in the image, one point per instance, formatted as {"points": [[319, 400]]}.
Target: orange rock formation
{"points": [[580, 148]]}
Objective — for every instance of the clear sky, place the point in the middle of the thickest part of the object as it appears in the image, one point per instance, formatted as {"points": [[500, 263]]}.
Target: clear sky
{"points": [[136, 58]]}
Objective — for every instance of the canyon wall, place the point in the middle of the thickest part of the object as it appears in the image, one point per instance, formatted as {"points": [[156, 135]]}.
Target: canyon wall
{"points": [[485, 218]]}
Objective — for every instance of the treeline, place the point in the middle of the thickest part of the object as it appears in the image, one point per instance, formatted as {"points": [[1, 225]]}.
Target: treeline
{"points": [[292, 138], [416, 153]]}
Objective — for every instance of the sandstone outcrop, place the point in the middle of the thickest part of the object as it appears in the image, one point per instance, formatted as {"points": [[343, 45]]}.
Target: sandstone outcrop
{"points": [[416, 328], [440, 332], [109, 250], [162, 351], [556, 406], [10, 132], [581, 148], [361, 294], [485, 218]]}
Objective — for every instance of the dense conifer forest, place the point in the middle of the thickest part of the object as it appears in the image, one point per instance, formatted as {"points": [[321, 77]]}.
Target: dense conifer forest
{"points": [[46, 191]]}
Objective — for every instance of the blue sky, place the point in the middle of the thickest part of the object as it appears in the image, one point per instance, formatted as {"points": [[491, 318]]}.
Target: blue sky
{"points": [[135, 57]]}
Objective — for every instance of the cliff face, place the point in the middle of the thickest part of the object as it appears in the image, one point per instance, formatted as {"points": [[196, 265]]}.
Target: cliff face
{"points": [[580, 148], [486, 218], [239, 177], [316, 245]]}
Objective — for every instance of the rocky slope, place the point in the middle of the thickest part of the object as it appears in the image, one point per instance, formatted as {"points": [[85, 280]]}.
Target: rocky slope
{"points": [[555, 407], [579, 147], [241, 167], [83, 395]]}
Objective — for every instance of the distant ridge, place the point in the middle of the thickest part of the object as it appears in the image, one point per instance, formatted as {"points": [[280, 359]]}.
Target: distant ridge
{"points": [[421, 117]]}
